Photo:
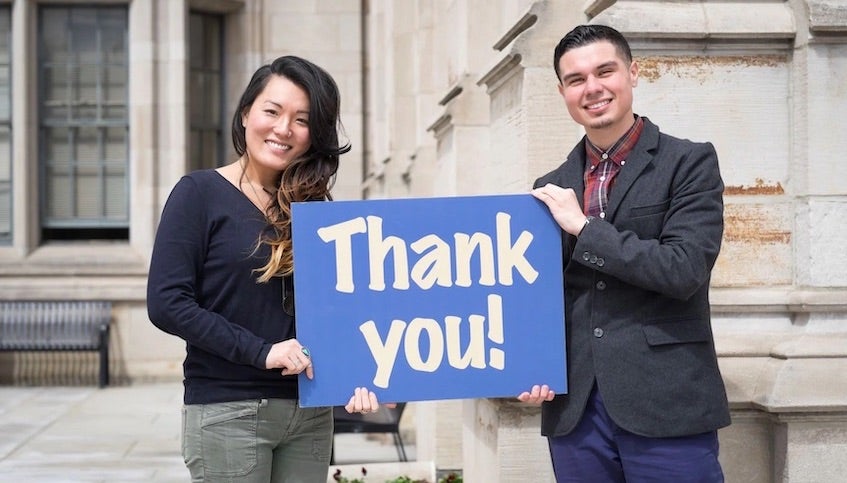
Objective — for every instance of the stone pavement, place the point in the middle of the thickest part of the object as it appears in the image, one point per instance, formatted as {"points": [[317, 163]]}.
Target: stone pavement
{"points": [[113, 435]]}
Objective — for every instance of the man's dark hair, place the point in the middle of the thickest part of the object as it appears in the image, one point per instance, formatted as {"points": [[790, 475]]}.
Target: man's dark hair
{"points": [[583, 35]]}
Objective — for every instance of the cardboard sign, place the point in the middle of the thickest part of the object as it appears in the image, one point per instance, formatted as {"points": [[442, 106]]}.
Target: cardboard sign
{"points": [[429, 298]]}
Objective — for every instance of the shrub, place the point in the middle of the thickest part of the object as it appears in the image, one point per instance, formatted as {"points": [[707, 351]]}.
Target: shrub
{"points": [[337, 476]]}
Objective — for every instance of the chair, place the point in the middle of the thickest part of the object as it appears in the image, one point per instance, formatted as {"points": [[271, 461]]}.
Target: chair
{"points": [[386, 420]]}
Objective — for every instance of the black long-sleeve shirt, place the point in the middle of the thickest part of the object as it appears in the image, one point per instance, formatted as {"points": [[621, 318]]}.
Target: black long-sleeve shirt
{"points": [[202, 288]]}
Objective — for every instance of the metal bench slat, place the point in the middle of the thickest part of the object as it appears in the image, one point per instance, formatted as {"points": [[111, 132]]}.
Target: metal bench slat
{"points": [[57, 325]]}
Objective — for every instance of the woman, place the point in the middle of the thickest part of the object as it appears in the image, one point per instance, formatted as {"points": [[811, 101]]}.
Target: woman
{"points": [[220, 279]]}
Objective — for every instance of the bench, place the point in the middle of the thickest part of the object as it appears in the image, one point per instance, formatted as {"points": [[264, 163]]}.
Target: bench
{"points": [[57, 326], [386, 420]]}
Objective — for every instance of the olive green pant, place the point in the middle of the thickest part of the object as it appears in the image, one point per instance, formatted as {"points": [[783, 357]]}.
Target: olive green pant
{"points": [[257, 441]]}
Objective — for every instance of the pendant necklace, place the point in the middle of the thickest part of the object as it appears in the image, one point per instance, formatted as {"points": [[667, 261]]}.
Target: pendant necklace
{"points": [[253, 188]]}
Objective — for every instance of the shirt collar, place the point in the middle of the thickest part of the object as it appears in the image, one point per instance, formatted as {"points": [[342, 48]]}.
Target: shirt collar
{"points": [[619, 150]]}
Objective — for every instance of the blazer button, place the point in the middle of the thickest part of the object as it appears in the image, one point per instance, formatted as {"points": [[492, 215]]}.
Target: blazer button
{"points": [[598, 332], [593, 259], [586, 256], [601, 285], [600, 262]]}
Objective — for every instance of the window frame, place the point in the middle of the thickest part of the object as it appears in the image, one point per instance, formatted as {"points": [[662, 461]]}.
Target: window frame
{"points": [[101, 225], [7, 188], [219, 125]]}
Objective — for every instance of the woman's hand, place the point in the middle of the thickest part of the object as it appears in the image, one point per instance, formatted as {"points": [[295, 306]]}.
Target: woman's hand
{"points": [[292, 357], [537, 395], [364, 401]]}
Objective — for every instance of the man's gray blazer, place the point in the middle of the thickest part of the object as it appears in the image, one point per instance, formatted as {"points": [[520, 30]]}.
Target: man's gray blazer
{"points": [[637, 293]]}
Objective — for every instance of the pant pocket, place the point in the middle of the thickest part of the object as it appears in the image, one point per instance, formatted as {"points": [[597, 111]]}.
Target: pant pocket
{"points": [[184, 444], [318, 424], [228, 438]]}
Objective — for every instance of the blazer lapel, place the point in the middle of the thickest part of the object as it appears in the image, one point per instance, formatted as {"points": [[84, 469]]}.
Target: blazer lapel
{"points": [[639, 158], [572, 174]]}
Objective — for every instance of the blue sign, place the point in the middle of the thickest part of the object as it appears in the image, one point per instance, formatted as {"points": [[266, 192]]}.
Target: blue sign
{"points": [[429, 298]]}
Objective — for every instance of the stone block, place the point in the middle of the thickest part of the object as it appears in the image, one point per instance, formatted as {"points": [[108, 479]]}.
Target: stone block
{"points": [[699, 19], [827, 15], [293, 33], [827, 231], [727, 100], [335, 6], [745, 447], [812, 447], [757, 248], [439, 433], [503, 442], [290, 8], [827, 101]]}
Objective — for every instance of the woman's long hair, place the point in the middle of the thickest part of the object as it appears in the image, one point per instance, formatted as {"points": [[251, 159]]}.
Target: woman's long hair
{"points": [[309, 177]]}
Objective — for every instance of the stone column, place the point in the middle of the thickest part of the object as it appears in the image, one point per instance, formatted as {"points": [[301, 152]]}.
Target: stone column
{"points": [[502, 442], [439, 433], [528, 132]]}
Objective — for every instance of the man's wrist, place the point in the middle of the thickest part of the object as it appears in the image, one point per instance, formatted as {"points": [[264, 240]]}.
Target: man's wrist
{"points": [[588, 220]]}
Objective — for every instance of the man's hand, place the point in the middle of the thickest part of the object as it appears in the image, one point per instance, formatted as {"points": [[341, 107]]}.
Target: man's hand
{"points": [[563, 205]]}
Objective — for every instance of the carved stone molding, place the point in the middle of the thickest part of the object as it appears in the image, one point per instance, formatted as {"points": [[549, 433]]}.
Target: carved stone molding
{"points": [[698, 19], [827, 16], [778, 299], [507, 66]]}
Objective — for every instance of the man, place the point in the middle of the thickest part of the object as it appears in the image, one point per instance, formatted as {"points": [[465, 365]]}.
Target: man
{"points": [[642, 214]]}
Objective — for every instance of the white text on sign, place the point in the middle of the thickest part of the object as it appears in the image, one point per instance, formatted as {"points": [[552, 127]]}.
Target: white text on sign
{"points": [[385, 351], [438, 263], [435, 265]]}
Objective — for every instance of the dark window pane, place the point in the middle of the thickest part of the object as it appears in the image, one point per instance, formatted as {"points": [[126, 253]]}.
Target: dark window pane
{"points": [[5, 124], [5, 183], [55, 92], [205, 90], [84, 121]]}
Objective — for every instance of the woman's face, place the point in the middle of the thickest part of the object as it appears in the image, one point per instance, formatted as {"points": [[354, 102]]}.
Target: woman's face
{"points": [[276, 127]]}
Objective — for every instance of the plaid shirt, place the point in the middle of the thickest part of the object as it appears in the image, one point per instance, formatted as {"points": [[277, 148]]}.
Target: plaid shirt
{"points": [[602, 167]]}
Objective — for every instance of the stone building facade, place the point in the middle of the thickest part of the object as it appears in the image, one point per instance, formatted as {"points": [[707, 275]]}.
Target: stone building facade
{"points": [[764, 81], [441, 98]]}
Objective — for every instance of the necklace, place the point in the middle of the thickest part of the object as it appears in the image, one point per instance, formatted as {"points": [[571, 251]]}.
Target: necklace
{"points": [[253, 188]]}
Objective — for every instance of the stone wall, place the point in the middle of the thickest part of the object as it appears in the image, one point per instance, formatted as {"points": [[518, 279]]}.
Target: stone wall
{"points": [[763, 81], [328, 32], [458, 97]]}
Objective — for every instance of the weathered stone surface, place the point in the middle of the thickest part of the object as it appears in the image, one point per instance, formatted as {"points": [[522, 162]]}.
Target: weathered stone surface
{"points": [[699, 19], [827, 15], [502, 442], [762, 80]]}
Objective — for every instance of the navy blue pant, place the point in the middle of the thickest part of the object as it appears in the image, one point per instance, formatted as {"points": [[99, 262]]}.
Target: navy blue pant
{"points": [[598, 450]]}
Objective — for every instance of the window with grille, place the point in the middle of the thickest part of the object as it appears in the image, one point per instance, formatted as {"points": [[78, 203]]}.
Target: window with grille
{"points": [[83, 122], [5, 124], [205, 90]]}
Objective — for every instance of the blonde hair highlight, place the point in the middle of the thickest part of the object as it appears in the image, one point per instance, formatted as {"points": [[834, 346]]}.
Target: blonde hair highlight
{"points": [[303, 180]]}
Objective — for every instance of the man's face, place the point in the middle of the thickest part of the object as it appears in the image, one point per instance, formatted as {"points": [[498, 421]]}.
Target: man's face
{"points": [[596, 84]]}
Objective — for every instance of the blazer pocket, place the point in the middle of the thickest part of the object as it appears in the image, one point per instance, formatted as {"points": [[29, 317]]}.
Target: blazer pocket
{"points": [[658, 208], [677, 332]]}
